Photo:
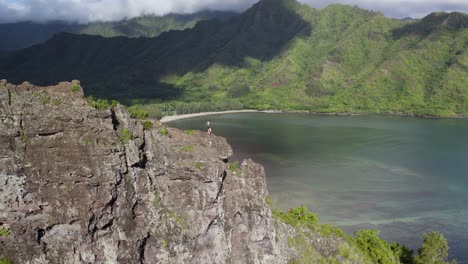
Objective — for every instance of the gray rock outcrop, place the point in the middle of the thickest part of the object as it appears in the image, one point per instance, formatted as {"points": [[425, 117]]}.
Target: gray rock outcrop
{"points": [[80, 185]]}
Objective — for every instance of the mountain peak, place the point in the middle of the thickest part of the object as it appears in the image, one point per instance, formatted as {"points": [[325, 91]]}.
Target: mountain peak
{"points": [[288, 4], [271, 10], [457, 20], [454, 20]]}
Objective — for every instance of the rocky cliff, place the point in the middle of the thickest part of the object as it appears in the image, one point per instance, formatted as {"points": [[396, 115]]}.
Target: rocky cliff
{"points": [[81, 185]]}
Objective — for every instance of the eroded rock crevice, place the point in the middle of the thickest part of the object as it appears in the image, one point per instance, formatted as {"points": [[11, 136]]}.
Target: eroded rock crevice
{"points": [[115, 121], [141, 248], [221, 187]]}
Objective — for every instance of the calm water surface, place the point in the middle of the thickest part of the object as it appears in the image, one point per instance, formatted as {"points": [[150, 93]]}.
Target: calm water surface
{"points": [[404, 176]]}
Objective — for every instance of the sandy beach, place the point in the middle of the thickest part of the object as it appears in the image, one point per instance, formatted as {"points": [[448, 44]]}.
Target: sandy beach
{"points": [[177, 117]]}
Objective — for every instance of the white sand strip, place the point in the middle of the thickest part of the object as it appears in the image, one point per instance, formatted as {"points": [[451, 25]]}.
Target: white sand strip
{"points": [[177, 117]]}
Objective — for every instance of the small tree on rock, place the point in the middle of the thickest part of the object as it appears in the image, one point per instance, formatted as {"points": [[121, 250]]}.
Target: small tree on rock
{"points": [[434, 250]]}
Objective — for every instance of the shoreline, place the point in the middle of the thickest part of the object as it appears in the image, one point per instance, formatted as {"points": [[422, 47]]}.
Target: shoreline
{"points": [[178, 117]]}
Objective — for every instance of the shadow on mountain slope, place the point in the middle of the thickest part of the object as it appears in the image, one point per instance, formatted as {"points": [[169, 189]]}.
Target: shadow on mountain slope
{"points": [[122, 64], [431, 22]]}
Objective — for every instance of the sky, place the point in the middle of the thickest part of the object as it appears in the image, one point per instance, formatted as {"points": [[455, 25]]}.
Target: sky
{"points": [[109, 10]]}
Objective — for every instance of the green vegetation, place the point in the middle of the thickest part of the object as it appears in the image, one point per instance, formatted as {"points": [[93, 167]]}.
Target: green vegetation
{"points": [[301, 217], [308, 253], [101, 104], [88, 141], [74, 88], [298, 217], [181, 222], [365, 244], [147, 125], [156, 109], [376, 249], [150, 25], [25, 34], [234, 167], [125, 136], [4, 231], [198, 165], [164, 243], [164, 131], [404, 254], [189, 132], [56, 101], [305, 222], [43, 98], [24, 138], [5, 260], [434, 250], [138, 113], [188, 148], [339, 59]]}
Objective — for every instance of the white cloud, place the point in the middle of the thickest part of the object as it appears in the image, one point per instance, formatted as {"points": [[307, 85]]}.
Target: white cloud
{"points": [[401, 8], [91, 10]]}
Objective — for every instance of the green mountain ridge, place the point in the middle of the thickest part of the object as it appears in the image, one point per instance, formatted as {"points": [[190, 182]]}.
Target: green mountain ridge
{"points": [[279, 54], [24, 34]]}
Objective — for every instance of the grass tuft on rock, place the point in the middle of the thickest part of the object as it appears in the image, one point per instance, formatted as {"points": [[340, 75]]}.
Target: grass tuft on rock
{"points": [[188, 148], [147, 125], [74, 88], [164, 131], [4, 231], [125, 136], [5, 260]]}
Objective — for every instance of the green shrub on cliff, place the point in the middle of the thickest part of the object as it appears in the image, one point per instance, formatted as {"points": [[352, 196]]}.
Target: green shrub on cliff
{"points": [[366, 246], [148, 125], [376, 249], [301, 217], [404, 254], [138, 113], [101, 104], [434, 250], [5, 260], [298, 217]]}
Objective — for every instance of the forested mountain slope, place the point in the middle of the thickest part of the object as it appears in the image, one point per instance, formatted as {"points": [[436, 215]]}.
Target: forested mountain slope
{"points": [[278, 54], [24, 34]]}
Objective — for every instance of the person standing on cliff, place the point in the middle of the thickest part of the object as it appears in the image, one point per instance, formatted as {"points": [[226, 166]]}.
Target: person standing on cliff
{"points": [[210, 131]]}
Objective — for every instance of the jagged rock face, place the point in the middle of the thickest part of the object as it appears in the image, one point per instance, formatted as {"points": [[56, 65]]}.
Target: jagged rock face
{"points": [[73, 189], [79, 185]]}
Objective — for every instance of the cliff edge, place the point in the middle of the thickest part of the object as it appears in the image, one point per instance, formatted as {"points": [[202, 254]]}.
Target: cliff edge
{"points": [[82, 185]]}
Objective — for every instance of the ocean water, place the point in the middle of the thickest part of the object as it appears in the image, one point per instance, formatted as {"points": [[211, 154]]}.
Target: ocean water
{"points": [[404, 176]]}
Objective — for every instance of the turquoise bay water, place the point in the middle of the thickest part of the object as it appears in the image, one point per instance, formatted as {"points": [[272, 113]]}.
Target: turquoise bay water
{"points": [[404, 176]]}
